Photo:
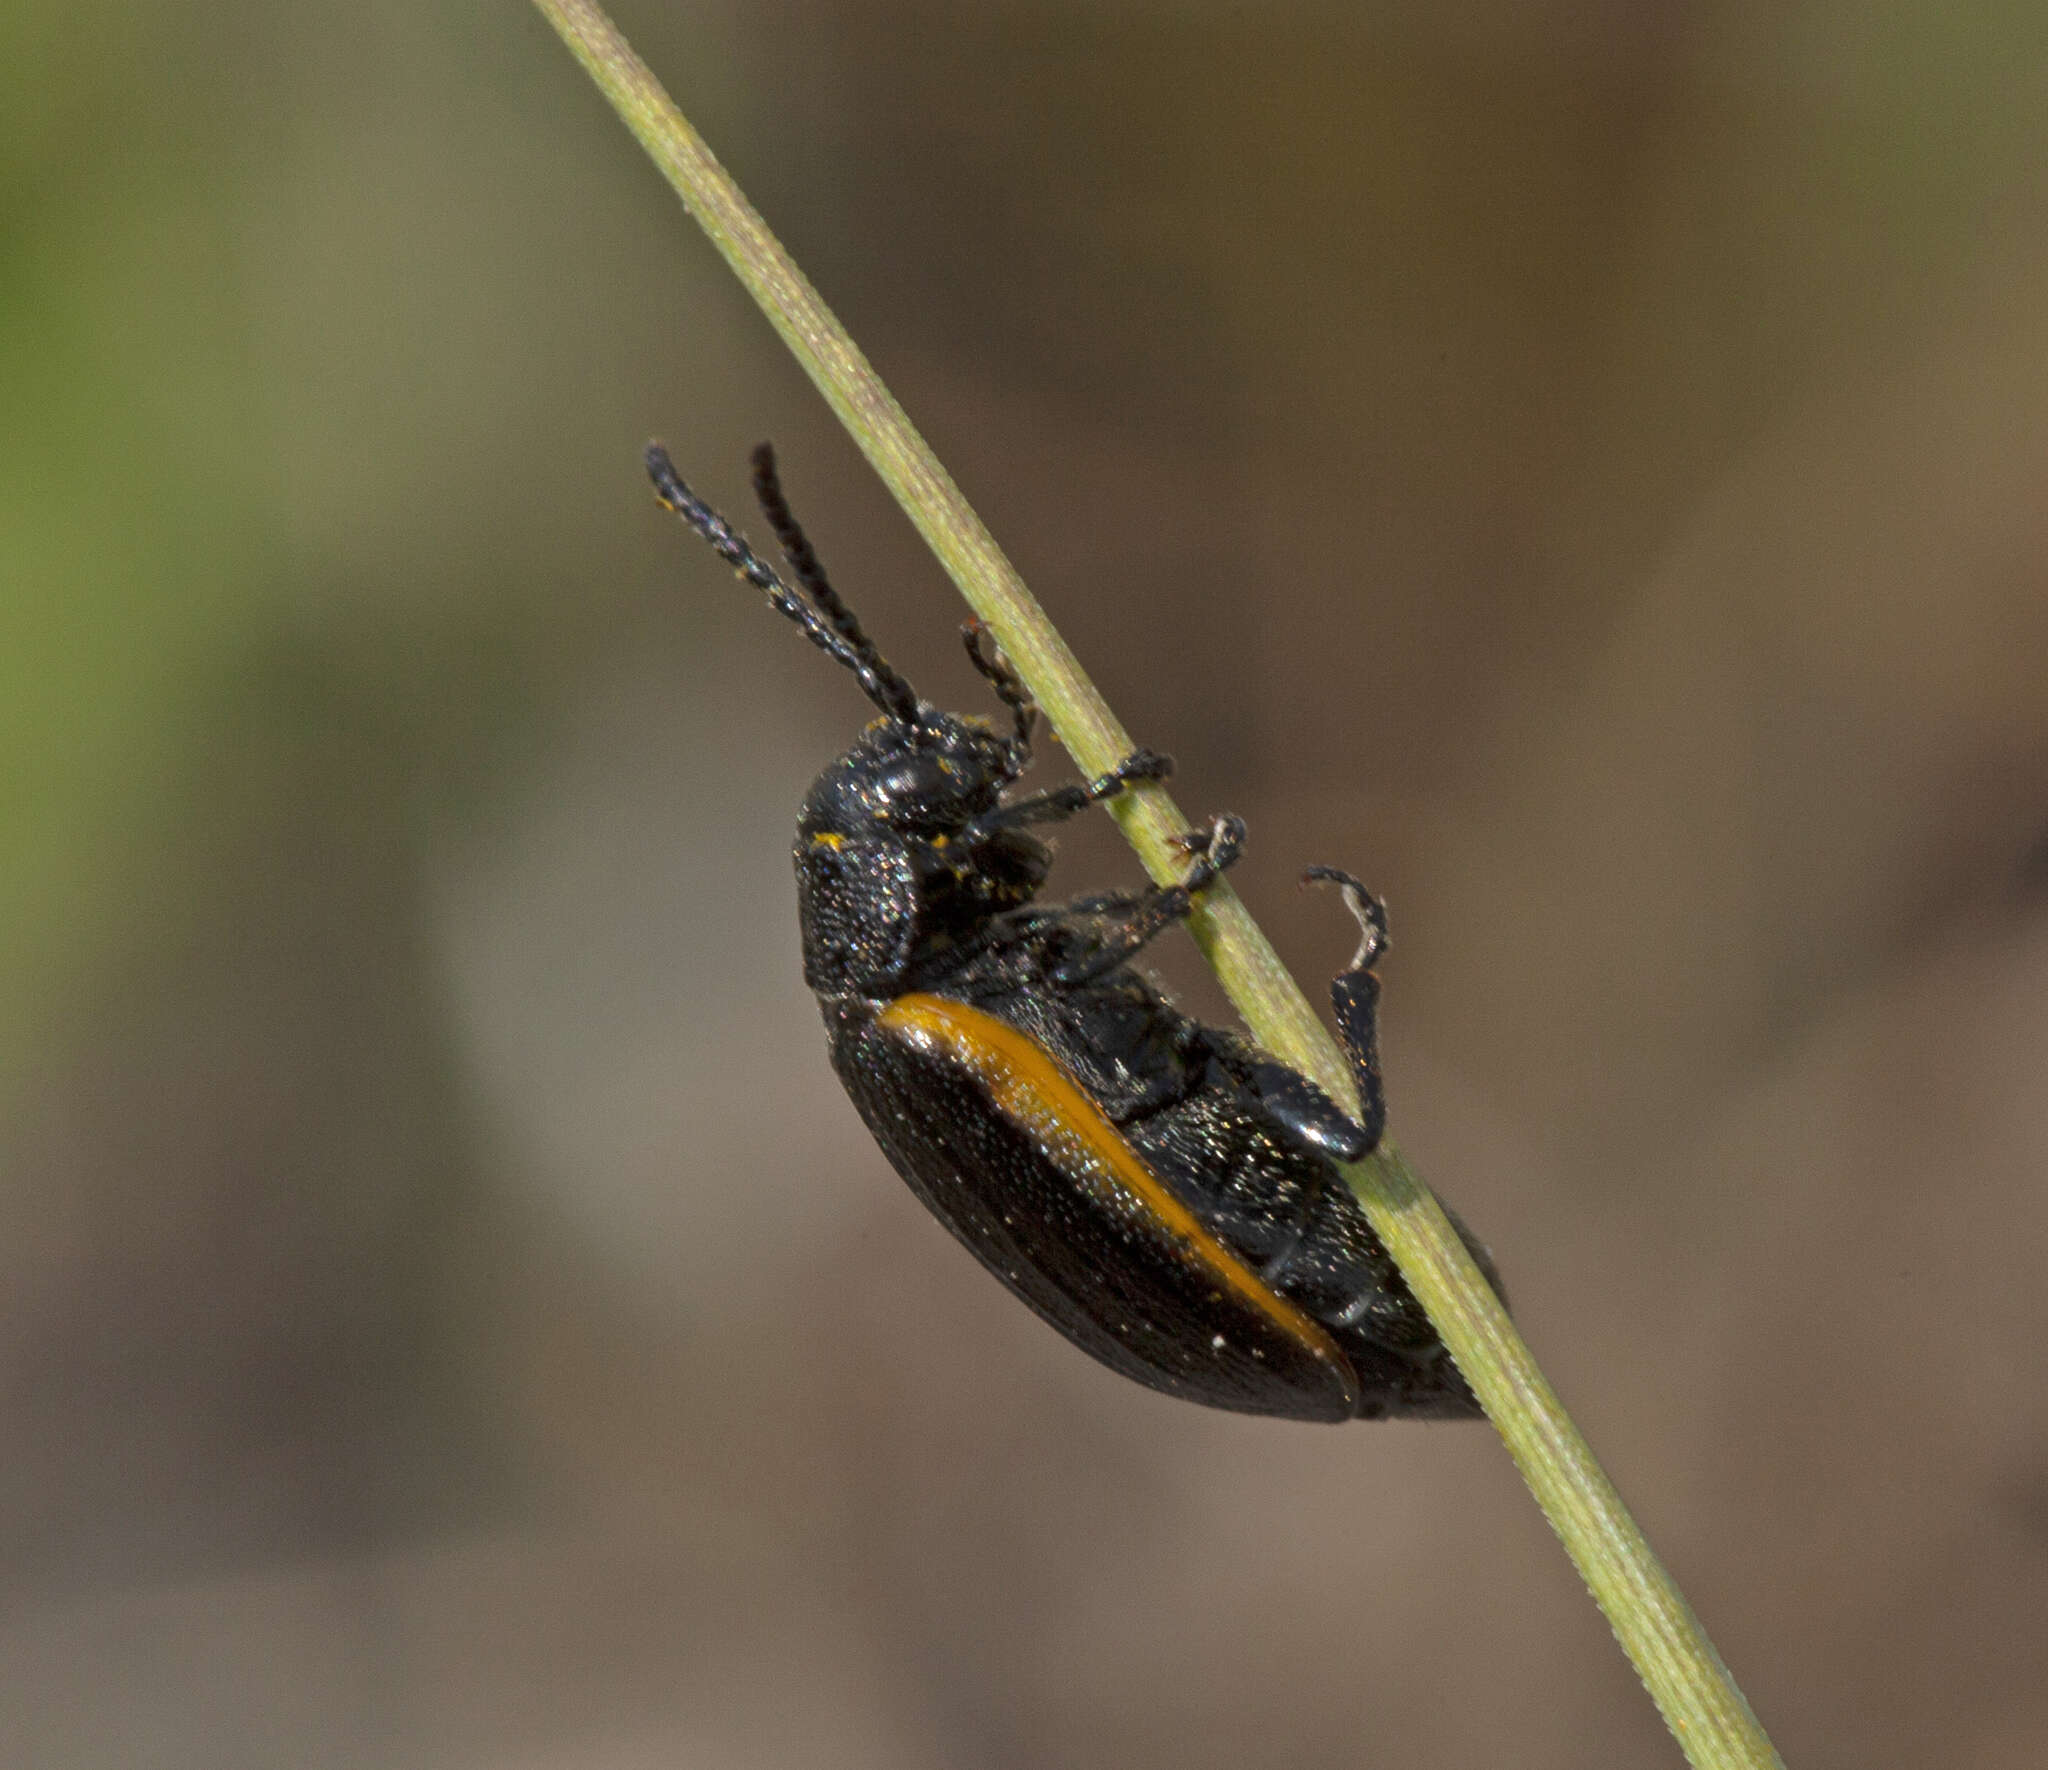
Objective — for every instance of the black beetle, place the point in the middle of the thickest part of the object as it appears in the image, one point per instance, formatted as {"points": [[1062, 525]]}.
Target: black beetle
{"points": [[1154, 1188]]}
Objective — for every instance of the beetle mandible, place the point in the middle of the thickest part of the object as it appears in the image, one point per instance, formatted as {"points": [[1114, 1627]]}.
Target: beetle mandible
{"points": [[1158, 1190]]}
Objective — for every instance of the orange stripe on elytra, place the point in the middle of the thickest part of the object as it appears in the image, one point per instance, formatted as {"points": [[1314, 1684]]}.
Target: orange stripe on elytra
{"points": [[1032, 1088]]}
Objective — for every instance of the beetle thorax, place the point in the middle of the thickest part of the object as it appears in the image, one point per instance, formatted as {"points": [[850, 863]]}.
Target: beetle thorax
{"points": [[896, 881]]}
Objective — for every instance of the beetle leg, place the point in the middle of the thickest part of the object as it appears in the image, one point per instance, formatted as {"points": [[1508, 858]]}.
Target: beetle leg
{"points": [[1310, 1116], [1355, 995], [1167, 1089], [987, 657], [1102, 903], [1057, 804], [1214, 851], [1150, 913]]}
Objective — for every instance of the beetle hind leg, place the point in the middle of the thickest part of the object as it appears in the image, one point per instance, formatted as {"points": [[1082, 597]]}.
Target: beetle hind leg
{"points": [[1308, 1115], [1355, 997]]}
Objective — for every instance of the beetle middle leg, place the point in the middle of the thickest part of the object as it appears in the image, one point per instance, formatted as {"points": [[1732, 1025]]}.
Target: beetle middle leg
{"points": [[1145, 915]]}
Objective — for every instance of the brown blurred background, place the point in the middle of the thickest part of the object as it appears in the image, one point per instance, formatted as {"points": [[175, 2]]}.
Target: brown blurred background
{"points": [[1583, 466]]}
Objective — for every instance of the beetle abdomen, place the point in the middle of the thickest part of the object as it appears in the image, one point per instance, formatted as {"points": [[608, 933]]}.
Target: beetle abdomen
{"points": [[1290, 1215], [1016, 1160]]}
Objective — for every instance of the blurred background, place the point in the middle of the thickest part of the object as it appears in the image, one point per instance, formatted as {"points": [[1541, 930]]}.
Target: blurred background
{"points": [[1581, 466]]}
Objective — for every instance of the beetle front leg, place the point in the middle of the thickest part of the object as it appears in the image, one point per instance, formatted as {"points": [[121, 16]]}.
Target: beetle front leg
{"points": [[1057, 804], [1150, 913]]}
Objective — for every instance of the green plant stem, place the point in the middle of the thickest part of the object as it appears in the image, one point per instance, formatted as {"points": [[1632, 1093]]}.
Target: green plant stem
{"points": [[1657, 1629]]}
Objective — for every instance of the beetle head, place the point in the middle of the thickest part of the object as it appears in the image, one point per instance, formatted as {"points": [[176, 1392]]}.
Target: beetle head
{"points": [[896, 872], [922, 781]]}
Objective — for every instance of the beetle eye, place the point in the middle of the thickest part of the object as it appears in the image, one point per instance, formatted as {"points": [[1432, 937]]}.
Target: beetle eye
{"points": [[912, 794], [928, 793]]}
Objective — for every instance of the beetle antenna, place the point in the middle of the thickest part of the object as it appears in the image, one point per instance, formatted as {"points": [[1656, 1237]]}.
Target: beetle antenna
{"points": [[810, 570], [802, 556], [987, 656], [878, 681]]}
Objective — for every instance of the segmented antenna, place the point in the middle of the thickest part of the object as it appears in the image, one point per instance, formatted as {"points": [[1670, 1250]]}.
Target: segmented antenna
{"points": [[831, 626], [987, 656], [803, 558]]}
